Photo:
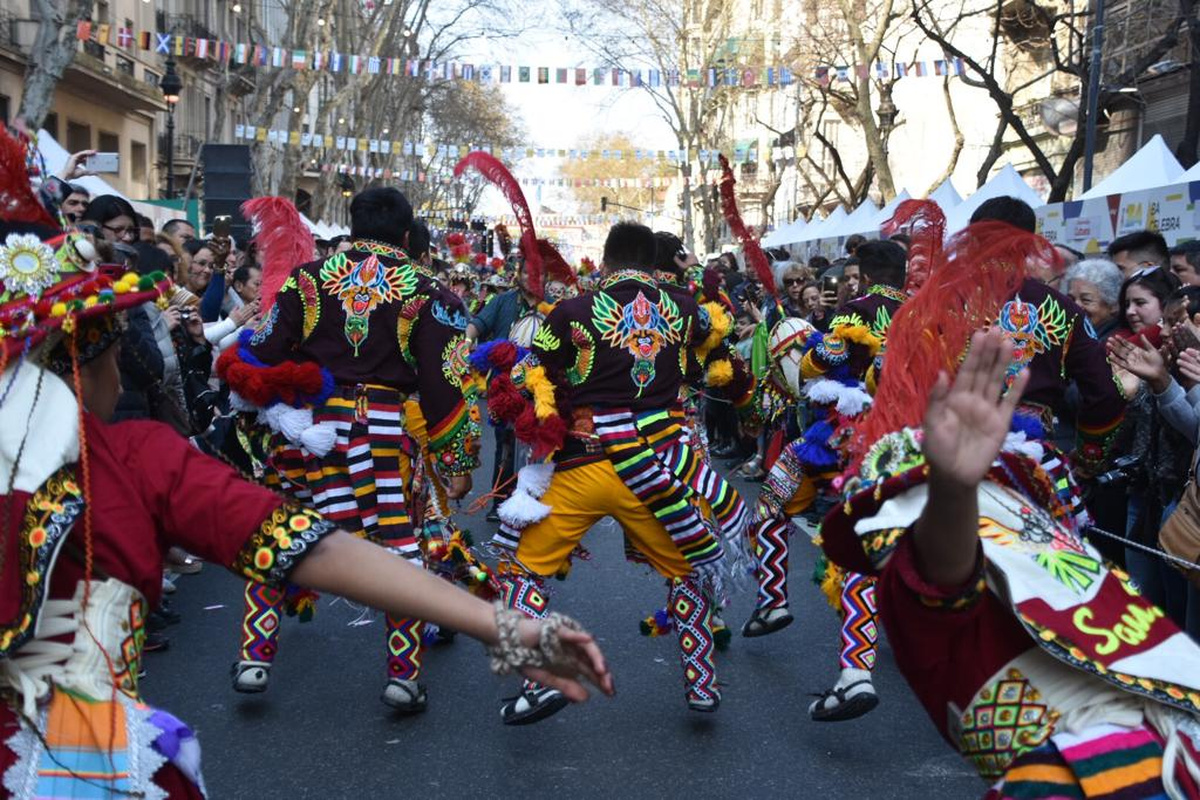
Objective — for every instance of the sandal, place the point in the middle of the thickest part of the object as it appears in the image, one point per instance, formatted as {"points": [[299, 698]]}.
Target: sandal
{"points": [[767, 620], [406, 696], [846, 708], [532, 705]]}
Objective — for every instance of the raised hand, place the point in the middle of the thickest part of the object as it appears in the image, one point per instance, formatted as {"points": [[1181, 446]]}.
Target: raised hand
{"points": [[966, 422], [584, 661], [1141, 359], [1189, 365]]}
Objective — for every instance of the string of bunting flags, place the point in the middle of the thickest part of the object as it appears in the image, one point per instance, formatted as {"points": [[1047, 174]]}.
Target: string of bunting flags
{"points": [[263, 56], [377, 144], [447, 176]]}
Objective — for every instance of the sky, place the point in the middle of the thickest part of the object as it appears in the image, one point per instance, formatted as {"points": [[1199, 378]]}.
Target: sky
{"points": [[558, 116]]}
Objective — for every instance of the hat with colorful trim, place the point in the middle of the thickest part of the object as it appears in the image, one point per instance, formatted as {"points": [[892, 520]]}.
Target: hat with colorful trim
{"points": [[48, 278]]}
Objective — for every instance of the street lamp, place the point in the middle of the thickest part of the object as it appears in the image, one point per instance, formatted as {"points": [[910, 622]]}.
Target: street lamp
{"points": [[171, 85]]}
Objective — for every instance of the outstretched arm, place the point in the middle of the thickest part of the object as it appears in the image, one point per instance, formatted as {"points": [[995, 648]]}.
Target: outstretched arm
{"points": [[361, 571], [965, 425]]}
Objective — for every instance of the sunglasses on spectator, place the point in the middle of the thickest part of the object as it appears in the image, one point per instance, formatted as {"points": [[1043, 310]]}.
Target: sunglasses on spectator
{"points": [[792, 281], [1145, 270]]}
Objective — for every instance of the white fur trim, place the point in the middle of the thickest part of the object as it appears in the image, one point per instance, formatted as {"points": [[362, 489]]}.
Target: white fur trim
{"points": [[524, 508], [851, 400], [239, 403], [1018, 442], [53, 425]]}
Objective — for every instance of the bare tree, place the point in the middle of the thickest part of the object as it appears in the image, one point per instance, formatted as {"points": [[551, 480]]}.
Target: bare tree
{"points": [[54, 49]]}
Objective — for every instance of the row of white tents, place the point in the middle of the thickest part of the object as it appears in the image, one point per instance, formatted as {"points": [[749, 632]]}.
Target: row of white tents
{"points": [[1153, 169]]}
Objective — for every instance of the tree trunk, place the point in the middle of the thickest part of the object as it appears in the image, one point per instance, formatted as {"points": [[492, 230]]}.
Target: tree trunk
{"points": [[54, 49]]}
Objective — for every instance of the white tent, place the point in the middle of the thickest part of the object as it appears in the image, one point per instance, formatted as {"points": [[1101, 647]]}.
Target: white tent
{"points": [[860, 220], [888, 210], [817, 230], [1149, 168], [946, 196], [1192, 174], [785, 235], [1005, 182]]}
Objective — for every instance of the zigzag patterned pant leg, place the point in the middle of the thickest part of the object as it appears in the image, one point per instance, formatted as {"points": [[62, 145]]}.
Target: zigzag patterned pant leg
{"points": [[523, 593], [771, 553], [260, 623], [404, 647], [859, 628], [692, 610]]}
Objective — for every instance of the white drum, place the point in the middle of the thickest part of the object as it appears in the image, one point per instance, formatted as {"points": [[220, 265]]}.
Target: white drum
{"points": [[787, 342], [524, 329]]}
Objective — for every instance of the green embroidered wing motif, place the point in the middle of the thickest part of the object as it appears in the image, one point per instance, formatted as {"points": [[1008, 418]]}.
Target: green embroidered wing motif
{"points": [[545, 340], [1076, 571], [1054, 323], [846, 319], [883, 321], [606, 316], [671, 315]]}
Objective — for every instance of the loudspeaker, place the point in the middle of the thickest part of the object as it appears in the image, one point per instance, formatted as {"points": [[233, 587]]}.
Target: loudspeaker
{"points": [[227, 174]]}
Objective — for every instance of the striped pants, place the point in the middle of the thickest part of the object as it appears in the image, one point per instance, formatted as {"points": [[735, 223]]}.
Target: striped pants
{"points": [[362, 484]]}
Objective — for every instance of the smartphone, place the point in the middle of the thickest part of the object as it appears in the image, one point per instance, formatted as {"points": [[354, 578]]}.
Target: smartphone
{"points": [[1185, 338], [829, 284], [221, 226], [103, 162]]}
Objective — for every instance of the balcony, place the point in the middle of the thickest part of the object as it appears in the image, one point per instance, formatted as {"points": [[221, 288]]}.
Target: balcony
{"points": [[187, 150], [103, 83]]}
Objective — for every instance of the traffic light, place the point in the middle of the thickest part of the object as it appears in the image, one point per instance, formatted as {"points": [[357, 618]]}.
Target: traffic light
{"points": [[603, 204]]}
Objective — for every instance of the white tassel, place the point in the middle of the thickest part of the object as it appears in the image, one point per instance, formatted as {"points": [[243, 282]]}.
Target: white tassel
{"points": [[239, 403], [534, 479], [850, 400], [319, 439], [1019, 443], [293, 422], [522, 510]]}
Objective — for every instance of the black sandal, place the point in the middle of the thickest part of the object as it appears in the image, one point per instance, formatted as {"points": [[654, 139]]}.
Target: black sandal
{"points": [[759, 625], [851, 708], [539, 703]]}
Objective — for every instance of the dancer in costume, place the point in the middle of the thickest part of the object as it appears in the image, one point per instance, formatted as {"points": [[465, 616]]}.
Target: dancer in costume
{"points": [[839, 368], [1046, 669], [89, 510], [340, 349], [611, 362]]}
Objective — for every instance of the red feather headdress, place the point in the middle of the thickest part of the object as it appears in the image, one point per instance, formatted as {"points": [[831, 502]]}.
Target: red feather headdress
{"points": [[925, 224], [17, 200], [753, 251], [283, 240], [499, 176], [978, 271]]}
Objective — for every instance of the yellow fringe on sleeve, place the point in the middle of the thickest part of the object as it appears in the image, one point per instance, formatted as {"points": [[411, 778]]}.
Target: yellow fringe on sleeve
{"points": [[720, 324], [542, 390], [720, 373]]}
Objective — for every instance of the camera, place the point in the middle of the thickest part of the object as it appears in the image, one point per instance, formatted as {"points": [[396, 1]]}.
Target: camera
{"points": [[1122, 472]]}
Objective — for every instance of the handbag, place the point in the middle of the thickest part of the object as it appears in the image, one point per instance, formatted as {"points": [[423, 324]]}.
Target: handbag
{"points": [[1180, 534]]}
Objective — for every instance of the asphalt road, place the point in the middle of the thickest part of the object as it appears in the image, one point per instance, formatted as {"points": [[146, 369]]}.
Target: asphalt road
{"points": [[321, 731]]}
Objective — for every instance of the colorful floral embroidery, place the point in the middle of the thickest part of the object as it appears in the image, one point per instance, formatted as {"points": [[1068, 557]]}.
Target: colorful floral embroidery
{"points": [[1004, 721], [378, 248], [265, 328], [454, 361], [889, 292], [310, 302], [362, 286], [628, 275], [405, 322], [641, 327], [585, 354], [49, 514], [280, 542], [545, 340], [1032, 331], [451, 318]]}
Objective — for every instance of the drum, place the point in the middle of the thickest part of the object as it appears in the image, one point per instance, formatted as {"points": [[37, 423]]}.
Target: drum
{"points": [[787, 349], [524, 329]]}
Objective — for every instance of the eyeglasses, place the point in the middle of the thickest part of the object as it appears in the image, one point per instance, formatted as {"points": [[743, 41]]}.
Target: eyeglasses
{"points": [[123, 232], [1145, 270], [792, 281]]}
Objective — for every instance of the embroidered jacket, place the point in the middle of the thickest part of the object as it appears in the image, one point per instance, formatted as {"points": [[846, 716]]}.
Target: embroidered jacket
{"points": [[857, 337], [1053, 338], [370, 317], [625, 345]]}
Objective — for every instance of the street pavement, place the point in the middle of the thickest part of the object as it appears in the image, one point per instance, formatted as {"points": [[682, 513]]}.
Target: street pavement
{"points": [[320, 730]]}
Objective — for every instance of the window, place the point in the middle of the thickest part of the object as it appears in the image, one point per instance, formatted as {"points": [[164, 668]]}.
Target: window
{"points": [[137, 162], [79, 137], [125, 65], [51, 125], [150, 77], [108, 142]]}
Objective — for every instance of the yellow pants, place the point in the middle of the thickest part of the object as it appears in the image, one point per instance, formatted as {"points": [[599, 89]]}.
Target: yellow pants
{"points": [[581, 497], [806, 494]]}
